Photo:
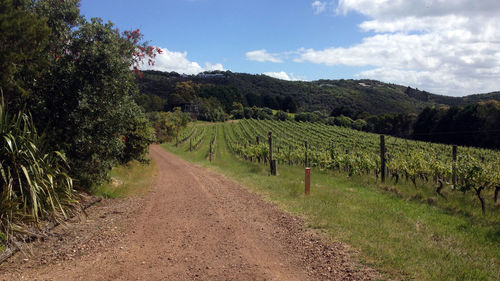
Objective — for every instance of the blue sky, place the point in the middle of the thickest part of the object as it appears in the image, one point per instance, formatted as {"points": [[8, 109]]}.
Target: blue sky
{"points": [[444, 48]]}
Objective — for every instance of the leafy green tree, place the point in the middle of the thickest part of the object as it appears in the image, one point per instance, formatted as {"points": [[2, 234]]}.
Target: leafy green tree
{"points": [[227, 95], [24, 43], [359, 124], [95, 106], [289, 105], [270, 102], [281, 115], [186, 91], [237, 111], [150, 103], [211, 110], [168, 124], [138, 133], [309, 117], [343, 121], [248, 112], [75, 77], [85, 98]]}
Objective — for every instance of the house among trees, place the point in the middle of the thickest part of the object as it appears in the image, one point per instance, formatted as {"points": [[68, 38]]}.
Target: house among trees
{"points": [[192, 108], [211, 75]]}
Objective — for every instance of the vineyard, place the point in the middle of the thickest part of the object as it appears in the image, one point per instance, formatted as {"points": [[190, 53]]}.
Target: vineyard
{"points": [[443, 209], [330, 148]]}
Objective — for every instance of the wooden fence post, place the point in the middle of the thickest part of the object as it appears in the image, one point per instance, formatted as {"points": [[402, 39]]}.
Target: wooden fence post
{"points": [[382, 157], [332, 154], [307, 181], [272, 162], [454, 167], [257, 141], [245, 156], [210, 155], [289, 155], [306, 161]]}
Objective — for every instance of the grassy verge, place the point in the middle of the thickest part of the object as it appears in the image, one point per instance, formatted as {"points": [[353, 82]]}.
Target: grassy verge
{"points": [[401, 237], [132, 179]]}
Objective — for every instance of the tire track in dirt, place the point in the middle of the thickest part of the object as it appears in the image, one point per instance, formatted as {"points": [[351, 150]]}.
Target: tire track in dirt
{"points": [[197, 225]]}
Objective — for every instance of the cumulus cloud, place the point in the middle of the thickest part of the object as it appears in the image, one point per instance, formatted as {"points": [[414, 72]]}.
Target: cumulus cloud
{"points": [[319, 6], [262, 56], [212, 67], [178, 62], [283, 76], [446, 47], [379, 9]]}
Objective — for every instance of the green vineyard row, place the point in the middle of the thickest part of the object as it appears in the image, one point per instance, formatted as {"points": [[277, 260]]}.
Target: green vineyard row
{"points": [[358, 153]]}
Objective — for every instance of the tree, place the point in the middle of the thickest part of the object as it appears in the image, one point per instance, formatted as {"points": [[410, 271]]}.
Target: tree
{"points": [[342, 110], [186, 91], [75, 77], [281, 115], [289, 105], [237, 110], [150, 103], [269, 101], [211, 110], [23, 47], [359, 124], [168, 124], [343, 121], [85, 99]]}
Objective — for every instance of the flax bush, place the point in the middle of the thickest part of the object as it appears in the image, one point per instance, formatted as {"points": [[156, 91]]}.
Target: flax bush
{"points": [[34, 183]]}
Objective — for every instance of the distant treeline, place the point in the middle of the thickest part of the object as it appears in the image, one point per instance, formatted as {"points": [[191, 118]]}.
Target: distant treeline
{"points": [[166, 90], [473, 125], [365, 105], [187, 93]]}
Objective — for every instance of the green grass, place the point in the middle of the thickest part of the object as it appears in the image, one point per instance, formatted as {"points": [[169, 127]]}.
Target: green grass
{"points": [[402, 236], [132, 179]]}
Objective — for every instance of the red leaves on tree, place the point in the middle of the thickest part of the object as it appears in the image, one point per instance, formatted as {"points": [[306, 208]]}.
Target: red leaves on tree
{"points": [[139, 51]]}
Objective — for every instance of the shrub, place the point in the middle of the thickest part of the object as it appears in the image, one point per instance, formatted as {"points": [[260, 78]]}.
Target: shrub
{"points": [[34, 183], [281, 115], [167, 124]]}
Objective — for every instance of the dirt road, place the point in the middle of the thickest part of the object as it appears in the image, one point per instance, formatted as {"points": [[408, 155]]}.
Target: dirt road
{"points": [[192, 225]]}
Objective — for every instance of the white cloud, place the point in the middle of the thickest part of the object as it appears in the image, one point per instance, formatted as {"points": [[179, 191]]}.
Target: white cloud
{"points": [[419, 8], [446, 47], [283, 76], [262, 56], [319, 6], [211, 67], [178, 62]]}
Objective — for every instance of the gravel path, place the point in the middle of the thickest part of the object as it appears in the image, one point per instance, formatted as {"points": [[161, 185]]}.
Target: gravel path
{"points": [[192, 225]]}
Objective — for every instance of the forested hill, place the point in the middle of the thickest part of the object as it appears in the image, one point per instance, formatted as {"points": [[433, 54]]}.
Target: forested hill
{"points": [[369, 96]]}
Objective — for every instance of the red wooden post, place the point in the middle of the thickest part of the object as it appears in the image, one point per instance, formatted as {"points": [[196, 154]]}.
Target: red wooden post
{"points": [[308, 181]]}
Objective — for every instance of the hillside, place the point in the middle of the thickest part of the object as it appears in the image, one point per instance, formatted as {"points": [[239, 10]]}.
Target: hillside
{"points": [[364, 95]]}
